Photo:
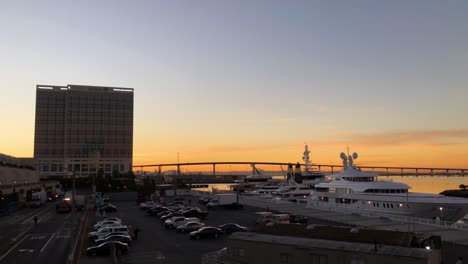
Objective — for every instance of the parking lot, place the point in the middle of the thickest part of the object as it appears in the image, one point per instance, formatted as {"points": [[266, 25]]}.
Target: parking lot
{"points": [[156, 244]]}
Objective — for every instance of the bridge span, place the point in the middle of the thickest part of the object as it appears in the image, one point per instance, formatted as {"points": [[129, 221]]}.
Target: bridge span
{"points": [[381, 170]]}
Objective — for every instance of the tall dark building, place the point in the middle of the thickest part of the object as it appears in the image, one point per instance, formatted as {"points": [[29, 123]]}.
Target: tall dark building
{"points": [[83, 129]]}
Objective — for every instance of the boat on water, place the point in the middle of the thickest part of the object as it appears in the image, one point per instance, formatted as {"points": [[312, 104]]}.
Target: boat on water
{"points": [[252, 182], [362, 191]]}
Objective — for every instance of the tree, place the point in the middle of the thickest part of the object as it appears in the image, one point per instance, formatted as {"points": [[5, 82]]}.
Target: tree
{"points": [[463, 187]]}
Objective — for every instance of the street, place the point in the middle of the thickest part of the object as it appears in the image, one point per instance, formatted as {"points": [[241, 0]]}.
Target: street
{"points": [[48, 241]]}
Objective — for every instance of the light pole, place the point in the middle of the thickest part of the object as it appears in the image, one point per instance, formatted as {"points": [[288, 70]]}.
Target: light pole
{"points": [[441, 213]]}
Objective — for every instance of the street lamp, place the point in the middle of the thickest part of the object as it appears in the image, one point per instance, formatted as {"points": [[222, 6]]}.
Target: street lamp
{"points": [[441, 212]]}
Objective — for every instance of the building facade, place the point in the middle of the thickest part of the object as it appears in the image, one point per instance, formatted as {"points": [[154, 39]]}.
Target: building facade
{"points": [[82, 130]]}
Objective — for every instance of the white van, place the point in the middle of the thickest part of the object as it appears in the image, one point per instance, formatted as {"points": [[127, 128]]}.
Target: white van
{"points": [[108, 230]]}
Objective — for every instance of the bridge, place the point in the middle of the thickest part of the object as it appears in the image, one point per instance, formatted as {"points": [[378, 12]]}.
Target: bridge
{"points": [[382, 170]]}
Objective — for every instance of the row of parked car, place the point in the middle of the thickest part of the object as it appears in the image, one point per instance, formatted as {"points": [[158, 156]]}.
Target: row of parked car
{"points": [[187, 220], [108, 234]]}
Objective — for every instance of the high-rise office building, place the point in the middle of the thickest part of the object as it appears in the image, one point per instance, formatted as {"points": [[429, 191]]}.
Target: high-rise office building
{"points": [[82, 129]]}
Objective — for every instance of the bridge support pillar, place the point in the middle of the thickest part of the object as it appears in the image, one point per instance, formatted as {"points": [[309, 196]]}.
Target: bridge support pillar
{"points": [[214, 170], [178, 169]]}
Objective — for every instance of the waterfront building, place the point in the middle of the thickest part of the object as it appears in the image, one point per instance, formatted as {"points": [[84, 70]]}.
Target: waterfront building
{"points": [[83, 129]]}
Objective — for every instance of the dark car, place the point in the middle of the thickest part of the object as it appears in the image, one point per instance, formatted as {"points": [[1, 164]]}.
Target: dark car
{"points": [[231, 228], [204, 200], [175, 203], [108, 208], [204, 232], [195, 213], [64, 208], [114, 237], [104, 249], [164, 211], [298, 219], [154, 210], [169, 216]]}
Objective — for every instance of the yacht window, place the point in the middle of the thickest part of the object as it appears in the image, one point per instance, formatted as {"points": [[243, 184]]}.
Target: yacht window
{"points": [[391, 205], [384, 205], [378, 204]]}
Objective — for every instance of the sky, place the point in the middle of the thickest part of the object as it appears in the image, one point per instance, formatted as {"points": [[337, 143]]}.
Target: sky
{"points": [[252, 80]]}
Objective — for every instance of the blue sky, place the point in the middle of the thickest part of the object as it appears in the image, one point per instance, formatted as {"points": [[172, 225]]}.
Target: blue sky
{"points": [[211, 73]]}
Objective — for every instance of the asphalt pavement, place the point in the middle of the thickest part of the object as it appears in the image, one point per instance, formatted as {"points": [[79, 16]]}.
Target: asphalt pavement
{"points": [[48, 241], [156, 244]]}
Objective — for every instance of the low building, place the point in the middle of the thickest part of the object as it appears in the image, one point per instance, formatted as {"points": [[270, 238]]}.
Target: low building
{"points": [[330, 245], [18, 176]]}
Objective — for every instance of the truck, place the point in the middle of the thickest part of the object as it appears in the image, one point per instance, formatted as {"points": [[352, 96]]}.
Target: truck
{"points": [[38, 199], [226, 200]]}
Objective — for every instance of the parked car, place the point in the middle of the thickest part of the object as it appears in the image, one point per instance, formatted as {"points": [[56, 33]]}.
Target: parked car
{"points": [[204, 200], [106, 223], [231, 228], [175, 203], [114, 237], [108, 208], [176, 207], [204, 232], [163, 210], [108, 230], [190, 227], [195, 212], [170, 215], [147, 204], [110, 219], [178, 221], [104, 249]]}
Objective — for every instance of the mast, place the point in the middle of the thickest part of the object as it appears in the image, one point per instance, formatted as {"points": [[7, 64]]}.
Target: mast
{"points": [[306, 159]]}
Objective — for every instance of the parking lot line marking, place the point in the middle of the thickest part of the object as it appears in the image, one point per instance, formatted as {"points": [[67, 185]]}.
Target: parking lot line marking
{"points": [[47, 243], [13, 247]]}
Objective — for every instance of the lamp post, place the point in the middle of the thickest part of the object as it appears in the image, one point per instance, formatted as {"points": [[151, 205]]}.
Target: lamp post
{"points": [[441, 213]]}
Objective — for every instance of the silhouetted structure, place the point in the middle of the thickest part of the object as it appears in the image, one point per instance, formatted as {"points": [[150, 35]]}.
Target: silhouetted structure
{"points": [[77, 125]]}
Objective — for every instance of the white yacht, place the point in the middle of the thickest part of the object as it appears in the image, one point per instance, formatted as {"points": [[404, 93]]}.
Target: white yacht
{"points": [[294, 192], [361, 191]]}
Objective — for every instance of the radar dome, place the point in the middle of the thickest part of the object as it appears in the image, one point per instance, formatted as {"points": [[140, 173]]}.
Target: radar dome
{"points": [[343, 155], [355, 155]]}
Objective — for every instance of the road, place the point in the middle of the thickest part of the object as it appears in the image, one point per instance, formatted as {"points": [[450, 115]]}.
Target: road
{"points": [[48, 241]]}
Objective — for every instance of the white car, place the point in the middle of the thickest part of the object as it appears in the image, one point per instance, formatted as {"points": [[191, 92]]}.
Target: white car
{"points": [[108, 230], [179, 221], [106, 223], [110, 219], [147, 204]]}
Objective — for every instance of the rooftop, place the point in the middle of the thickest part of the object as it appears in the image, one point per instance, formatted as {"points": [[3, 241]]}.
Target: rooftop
{"points": [[333, 245]]}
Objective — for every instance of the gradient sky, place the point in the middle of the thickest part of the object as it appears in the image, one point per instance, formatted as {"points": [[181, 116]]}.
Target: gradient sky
{"points": [[252, 80]]}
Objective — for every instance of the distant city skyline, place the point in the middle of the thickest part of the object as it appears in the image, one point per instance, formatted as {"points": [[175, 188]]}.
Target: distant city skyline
{"points": [[252, 80]]}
